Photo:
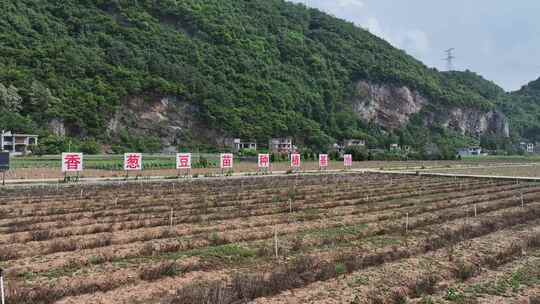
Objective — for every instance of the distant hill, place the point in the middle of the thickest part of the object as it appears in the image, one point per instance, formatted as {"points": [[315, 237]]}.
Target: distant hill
{"points": [[191, 73], [523, 109]]}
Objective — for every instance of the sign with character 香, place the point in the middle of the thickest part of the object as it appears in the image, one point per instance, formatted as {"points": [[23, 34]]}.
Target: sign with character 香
{"points": [[72, 162]]}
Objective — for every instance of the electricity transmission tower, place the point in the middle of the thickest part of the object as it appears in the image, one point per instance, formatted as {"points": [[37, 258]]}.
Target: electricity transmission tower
{"points": [[450, 59]]}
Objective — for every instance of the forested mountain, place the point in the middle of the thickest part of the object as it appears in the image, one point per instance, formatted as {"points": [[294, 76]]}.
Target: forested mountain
{"points": [[150, 73], [523, 109]]}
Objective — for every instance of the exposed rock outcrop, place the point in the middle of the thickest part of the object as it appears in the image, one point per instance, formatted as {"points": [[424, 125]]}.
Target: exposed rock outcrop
{"points": [[162, 116], [392, 107], [172, 120], [57, 127], [385, 105]]}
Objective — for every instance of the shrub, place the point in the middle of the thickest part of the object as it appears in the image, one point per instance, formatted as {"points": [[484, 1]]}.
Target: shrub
{"points": [[146, 250], [90, 147], [465, 270], [398, 296], [424, 285], [215, 239], [164, 269], [340, 269], [40, 235], [62, 246]]}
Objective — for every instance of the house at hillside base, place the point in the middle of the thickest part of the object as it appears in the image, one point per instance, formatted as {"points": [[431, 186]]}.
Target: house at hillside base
{"points": [[16, 144], [529, 147], [237, 144], [471, 151], [281, 145], [354, 143], [340, 147]]}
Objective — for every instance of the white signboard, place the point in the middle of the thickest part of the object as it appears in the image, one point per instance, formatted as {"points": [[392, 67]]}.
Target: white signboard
{"points": [[132, 162], [323, 160], [264, 161], [183, 161], [347, 160], [295, 160], [72, 162], [226, 161]]}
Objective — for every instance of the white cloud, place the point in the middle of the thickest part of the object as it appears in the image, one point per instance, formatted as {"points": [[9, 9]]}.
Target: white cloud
{"points": [[502, 51], [416, 41], [349, 3], [413, 40]]}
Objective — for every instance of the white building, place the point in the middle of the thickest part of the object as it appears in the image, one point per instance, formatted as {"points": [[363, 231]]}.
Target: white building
{"points": [[471, 151], [281, 145], [395, 147], [528, 147], [16, 144], [238, 144], [354, 143]]}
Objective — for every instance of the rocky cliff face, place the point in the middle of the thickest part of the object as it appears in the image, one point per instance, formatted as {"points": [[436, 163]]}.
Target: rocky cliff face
{"points": [[172, 120], [165, 117], [392, 107], [471, 122], [387, 106]]}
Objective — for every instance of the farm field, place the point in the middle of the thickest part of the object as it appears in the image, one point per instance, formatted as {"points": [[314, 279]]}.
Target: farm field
{"points": [[36, 168], [521, 170], [330, 238]]}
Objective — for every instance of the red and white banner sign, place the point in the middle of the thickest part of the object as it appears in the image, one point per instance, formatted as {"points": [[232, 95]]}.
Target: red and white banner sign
{"points": [[226, 161], [183, 161], [264, 161], [132, 162], [295, 160], [347, 160], [323, 160], [72, 162]]}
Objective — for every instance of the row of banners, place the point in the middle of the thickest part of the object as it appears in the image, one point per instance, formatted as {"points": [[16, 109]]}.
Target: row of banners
{"points": [[73, 162]]}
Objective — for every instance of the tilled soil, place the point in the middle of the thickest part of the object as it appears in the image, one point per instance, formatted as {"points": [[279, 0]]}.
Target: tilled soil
{"points": [[362, 238]]}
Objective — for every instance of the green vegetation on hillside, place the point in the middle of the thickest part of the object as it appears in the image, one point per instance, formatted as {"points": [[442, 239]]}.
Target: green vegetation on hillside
{"points": [[523, 109], [253, 69]]}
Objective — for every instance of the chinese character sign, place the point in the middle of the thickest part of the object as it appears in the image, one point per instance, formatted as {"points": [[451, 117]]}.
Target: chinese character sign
{"points": [[132, 162], [323, 160], [72, 162], [295, 160], [226, 161], [183, 161], [347, 160], [264, 160]]}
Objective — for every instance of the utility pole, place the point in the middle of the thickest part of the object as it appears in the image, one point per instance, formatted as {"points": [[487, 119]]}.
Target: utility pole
{"points": [[450, 59]]}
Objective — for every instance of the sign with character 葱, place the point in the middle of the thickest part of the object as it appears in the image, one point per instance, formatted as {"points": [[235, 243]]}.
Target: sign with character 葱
{"points": [[133, 162]]}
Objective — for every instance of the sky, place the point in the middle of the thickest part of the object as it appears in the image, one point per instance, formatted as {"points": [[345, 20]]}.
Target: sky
{"points": [[498, 39]]}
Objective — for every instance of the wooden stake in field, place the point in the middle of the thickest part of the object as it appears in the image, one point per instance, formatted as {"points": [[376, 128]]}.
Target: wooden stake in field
{"points": [[172, 216], [290, 205], [82, 191], [407, 222], [276, 242], [522, 201], [475, 211]]}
